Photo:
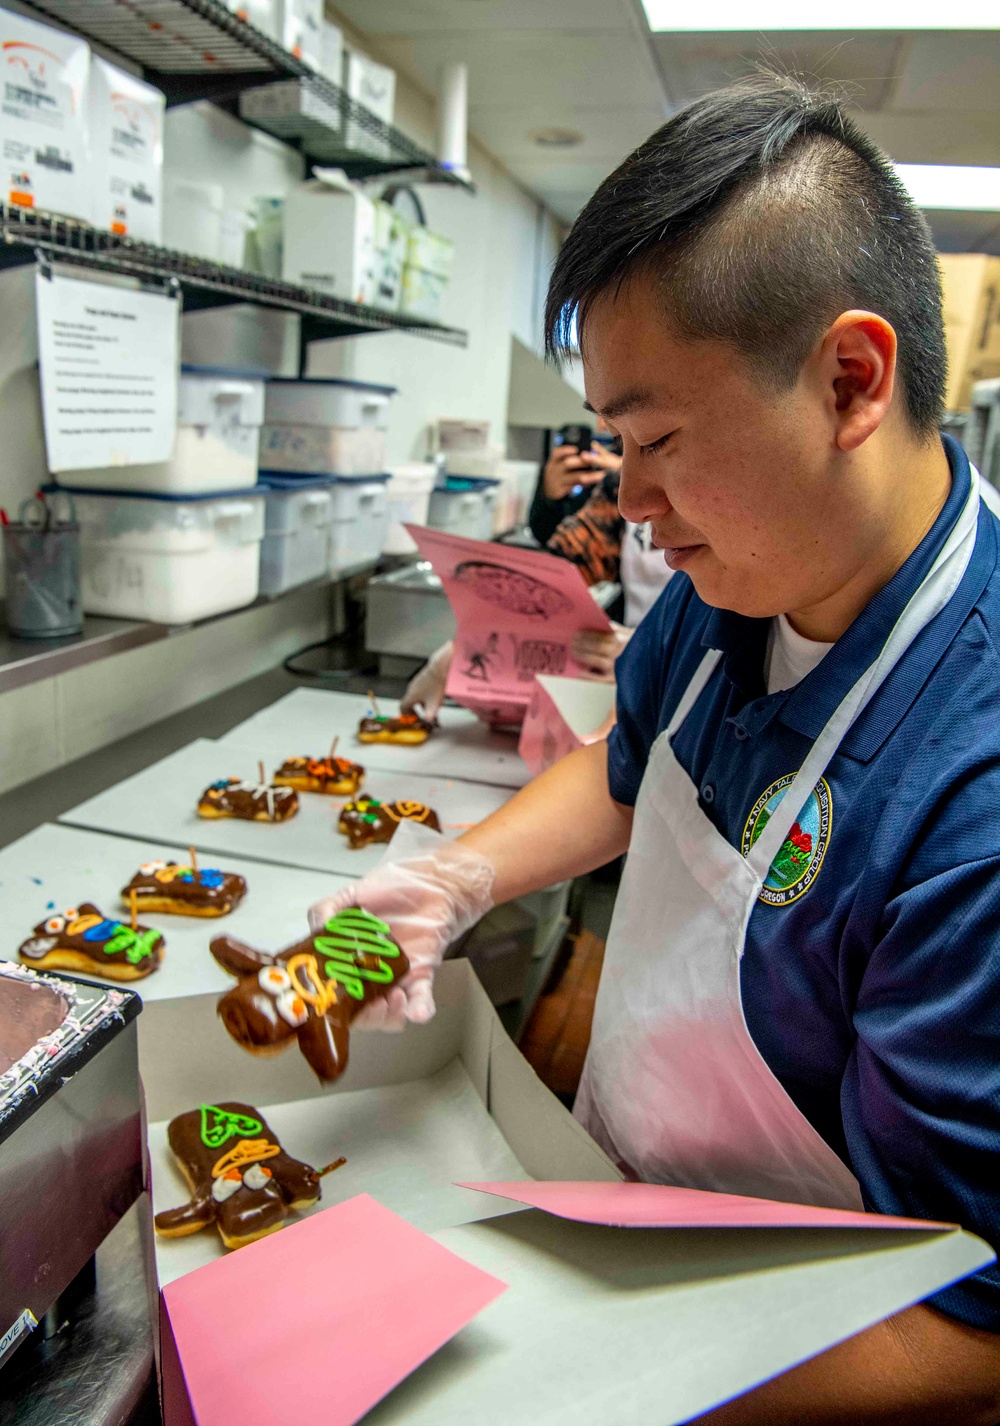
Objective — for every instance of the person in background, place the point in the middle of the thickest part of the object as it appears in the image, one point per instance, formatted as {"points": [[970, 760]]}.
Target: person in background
{"points": [[603, 546], [567, 482]]}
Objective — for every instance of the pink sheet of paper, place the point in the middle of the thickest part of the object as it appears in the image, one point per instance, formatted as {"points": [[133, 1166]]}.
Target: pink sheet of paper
{"points": [[516, 612], [547, 735], [653, 1205], [315, 1323]]}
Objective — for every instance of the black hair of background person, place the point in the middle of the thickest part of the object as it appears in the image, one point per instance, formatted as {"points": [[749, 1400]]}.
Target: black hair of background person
{"points": [[762, 212]]}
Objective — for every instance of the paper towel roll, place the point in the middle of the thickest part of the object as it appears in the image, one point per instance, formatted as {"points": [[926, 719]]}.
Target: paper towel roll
{"points": [[453, 119]]}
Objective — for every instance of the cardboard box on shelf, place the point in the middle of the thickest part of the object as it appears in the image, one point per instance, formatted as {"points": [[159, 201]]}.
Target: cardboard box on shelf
{"points": [[264, 15], [391, 236], [290, 108], [430, 251], [126, 150], [422, 294], [329, 239], [43, 118], [302, 30], [971, 291], [373, 86], [333, 53]]}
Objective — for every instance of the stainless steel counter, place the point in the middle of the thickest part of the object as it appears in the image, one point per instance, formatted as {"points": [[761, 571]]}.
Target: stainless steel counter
{"points": [[27, 660]]}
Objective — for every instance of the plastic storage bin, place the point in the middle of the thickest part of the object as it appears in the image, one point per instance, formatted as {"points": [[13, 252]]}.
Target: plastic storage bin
{"points": [[464, 507], [360, 523], [330, 401], [325, 427], [169, 559], [323, 450], [409, 492], [296, 544], [219, 416]]}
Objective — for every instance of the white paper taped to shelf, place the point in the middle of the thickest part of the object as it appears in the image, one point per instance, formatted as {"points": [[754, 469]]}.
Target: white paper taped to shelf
{"points": [[109, 369]]}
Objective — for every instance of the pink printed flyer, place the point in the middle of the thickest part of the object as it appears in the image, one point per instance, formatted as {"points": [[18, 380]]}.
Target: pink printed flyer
{"points": [[516, 612]]}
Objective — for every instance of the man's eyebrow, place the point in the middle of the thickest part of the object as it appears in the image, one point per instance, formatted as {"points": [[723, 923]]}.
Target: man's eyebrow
{"points": [[619, 405]]}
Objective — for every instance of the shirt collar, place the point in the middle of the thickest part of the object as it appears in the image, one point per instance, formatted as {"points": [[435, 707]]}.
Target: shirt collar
{"points": [[808, 707]]}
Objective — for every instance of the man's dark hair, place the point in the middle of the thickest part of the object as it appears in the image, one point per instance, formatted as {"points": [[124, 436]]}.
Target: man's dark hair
{"points": [[762, 212]]}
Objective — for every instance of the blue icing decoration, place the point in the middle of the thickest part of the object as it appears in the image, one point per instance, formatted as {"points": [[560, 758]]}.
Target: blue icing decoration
{"points": [[103, 931], [207, 876], [222, 782]]}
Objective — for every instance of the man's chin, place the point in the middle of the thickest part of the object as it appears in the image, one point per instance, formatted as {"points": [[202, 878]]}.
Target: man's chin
{"points": [[726, 589]]}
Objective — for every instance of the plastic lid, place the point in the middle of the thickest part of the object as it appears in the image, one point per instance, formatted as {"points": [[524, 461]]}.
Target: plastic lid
{"points": [[288, 480], [244, 373], [282, 480], [459, 484], [331, 381], [195, 498]]}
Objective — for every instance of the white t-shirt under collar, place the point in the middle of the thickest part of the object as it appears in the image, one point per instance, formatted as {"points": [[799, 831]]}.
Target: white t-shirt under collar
{"points": [[789, 656]]}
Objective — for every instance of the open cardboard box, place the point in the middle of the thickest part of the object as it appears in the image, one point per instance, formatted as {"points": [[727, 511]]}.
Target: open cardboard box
{"points": [[639, 1323], [564, 714]]}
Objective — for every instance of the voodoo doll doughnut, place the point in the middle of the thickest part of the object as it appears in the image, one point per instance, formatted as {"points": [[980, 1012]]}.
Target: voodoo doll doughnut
{"points": [[184, 890], [249, 801], [367, 820], [337, 777], [84, 939], [311, 991], [240, 1177], [406, 728]]}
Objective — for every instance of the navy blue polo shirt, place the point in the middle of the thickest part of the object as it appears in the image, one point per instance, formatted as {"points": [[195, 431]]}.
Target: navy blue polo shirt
{"points": [[871, 975]]}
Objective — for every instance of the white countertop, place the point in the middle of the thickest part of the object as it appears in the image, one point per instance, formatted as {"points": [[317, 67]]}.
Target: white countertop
{"points": [[159, 804]]}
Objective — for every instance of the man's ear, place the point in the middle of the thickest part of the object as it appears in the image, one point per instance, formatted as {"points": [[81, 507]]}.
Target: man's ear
{"points": [[858, 365]]}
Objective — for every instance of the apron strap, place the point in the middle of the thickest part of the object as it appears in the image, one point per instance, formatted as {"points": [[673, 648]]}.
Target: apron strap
{"points": [[702, 674], [924, 605]]}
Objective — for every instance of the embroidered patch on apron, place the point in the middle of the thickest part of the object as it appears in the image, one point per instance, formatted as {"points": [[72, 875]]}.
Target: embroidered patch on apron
{"points": [[797, 864]]}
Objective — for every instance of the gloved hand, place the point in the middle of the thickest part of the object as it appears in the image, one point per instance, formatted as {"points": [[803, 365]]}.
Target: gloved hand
{"points": [[596, 650], [425, 690], [428, 900]]}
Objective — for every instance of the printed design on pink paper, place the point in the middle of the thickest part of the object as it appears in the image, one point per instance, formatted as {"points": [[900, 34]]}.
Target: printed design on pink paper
{"points": [[512, 590]]}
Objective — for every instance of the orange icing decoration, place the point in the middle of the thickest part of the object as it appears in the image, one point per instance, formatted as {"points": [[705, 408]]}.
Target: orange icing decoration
{"points": [[247, 1151]]}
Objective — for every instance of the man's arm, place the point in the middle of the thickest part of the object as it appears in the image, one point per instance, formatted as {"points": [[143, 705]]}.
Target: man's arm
{"points": [[917, 1369], [562, 824]]}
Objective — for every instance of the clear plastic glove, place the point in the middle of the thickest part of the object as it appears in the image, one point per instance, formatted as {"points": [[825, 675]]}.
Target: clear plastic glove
{"points": [[425, 690], [597, 649], [428, 901]]}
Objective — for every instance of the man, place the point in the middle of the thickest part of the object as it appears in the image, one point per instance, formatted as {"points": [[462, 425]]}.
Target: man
{"points": [[801, 993]]}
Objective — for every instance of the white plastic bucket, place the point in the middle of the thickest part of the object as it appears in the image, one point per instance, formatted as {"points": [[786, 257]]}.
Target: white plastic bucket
{"points": [[409, 493]]}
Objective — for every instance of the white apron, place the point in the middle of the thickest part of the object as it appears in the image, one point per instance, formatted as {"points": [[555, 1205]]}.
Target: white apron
{"points": [[644, 572], [674, 1089]]}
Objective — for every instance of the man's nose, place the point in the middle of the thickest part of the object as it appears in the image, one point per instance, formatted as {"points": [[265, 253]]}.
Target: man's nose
{"points": [[640, 495]]}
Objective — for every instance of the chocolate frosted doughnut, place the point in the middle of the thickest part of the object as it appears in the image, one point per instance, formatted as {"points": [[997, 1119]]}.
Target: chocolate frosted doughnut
{"points": [[406, 728], [367, 820], [249, 801], [239, 1176], [311, 991], [84, 939], [336, 777], [183, 890]]}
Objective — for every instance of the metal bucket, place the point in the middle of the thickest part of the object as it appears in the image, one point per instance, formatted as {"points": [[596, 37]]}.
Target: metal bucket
{"points": [[42, 570]]}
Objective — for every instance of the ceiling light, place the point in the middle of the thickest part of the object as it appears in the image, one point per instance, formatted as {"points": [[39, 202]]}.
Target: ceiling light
{"points": [[666, 15], [556, 138], [939, 185]]}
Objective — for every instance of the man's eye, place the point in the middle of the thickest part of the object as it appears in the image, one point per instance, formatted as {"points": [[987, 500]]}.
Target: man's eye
{"points": [[655, 447]]}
